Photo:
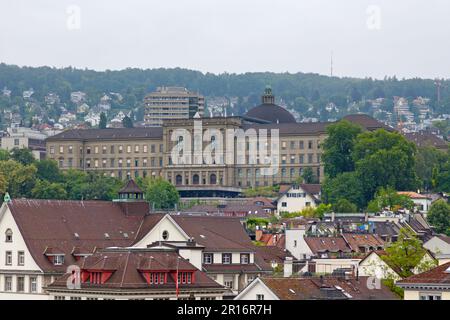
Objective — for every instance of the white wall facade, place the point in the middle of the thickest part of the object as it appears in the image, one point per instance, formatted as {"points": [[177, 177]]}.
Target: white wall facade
{"points": [[374, 266], [256, 289], [295, 200], [28, 270], [296, 244]]}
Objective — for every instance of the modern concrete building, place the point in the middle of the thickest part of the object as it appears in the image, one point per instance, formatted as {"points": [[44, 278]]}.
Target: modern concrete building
{"points": [[172, 103]]}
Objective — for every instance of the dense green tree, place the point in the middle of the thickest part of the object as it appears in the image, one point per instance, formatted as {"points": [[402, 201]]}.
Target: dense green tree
{"points": [[44, 189], [389, 198], [405, 254], [439, 216], [22, 155], [344, 186], [127, 122], [103, 121], [384, 159], [4, 155], [159, 192], [429, 164], [338, 147], [441, 178], [308, 176], [47, 169], [344, 206], [19, 178]]}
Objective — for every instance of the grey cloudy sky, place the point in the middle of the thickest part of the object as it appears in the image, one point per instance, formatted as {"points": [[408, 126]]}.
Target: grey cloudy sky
{"points": [[406, 38]]}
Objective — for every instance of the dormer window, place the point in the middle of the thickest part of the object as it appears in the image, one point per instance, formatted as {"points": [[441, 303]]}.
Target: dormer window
{"points": [[185, 277], [58, 260], [245, 258], [226, 258], [8, 235], [208, 258]]}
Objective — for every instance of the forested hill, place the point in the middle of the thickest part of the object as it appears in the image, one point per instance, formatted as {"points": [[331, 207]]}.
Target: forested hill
{"points": [[133, 84]]}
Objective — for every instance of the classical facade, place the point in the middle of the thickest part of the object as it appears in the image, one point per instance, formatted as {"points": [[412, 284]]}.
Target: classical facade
{"points": [[290, 148]]}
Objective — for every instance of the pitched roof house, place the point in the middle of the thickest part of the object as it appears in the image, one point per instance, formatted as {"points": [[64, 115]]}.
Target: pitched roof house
{"points": [[136, 273], [314, 288], [43, 237], [430, 285]]}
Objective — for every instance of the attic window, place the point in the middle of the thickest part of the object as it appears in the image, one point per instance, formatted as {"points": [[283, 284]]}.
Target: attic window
{"points": [[106, 235], [58, 260], [125, 235], [76, 235], [8, 235], [165, 235]]}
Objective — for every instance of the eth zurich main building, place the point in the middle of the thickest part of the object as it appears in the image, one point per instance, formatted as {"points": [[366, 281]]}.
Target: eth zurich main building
{"points": [[141, 152]]}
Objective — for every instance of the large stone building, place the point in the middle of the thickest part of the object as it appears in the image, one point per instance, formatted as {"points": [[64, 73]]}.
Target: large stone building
{"points": [[290, 148], [172, 103]]}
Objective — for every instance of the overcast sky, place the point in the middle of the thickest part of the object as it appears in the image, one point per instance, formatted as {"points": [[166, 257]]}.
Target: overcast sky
{"points": [[406, 38]]}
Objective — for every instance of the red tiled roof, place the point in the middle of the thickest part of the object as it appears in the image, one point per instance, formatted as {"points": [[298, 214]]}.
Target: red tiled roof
{"points": [[272, 254], [127, 266], [355, 241], [326, 288], [327, 244], [439, 275], [413, 195], [63, 225]]}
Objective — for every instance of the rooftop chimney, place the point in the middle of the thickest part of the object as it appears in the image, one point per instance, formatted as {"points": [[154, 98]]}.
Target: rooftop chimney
{"points": [[288, 267]]}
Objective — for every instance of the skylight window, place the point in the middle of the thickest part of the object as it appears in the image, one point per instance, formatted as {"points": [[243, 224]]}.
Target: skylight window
{"points": [[447, 270]]}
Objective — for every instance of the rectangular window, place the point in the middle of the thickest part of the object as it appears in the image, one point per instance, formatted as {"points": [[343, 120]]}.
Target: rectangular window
{"points": [[145, 148], [259, 297], [310, 158], [103, 149], [61, 149], [152, 148], [8, 258], [111, 150], [226, 258], [208, 258], [128, 149], [70, 149], [245, 258], [16, 142], [70, 162], [52, 150], [292, 144], [58, 260], [120, 149], [8, 283], [33, 284], [310, 144], [96, 149], [136, 148], [21, 258], [228, 282], [20, 284]]}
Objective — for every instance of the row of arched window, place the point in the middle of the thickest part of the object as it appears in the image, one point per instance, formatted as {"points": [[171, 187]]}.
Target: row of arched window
{"points": [[196, 179]]}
